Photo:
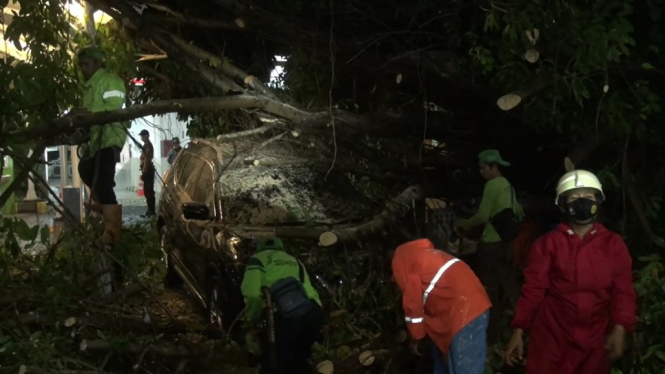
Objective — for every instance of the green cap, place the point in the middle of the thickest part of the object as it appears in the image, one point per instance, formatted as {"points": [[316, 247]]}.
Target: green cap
{"points": [[492, 156], [92, 52], [270, 243]]}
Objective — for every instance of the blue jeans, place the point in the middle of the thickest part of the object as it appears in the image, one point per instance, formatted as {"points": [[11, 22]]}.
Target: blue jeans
{"points": [[467, 351]]}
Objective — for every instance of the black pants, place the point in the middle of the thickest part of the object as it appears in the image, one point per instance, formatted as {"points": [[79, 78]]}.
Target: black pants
{"points": [[98, 173], [293, 343], [499, 276], [149, 188]]}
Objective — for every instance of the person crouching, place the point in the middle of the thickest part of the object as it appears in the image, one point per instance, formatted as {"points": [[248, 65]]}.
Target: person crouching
{"points": [[443, 299], [297, 313]]}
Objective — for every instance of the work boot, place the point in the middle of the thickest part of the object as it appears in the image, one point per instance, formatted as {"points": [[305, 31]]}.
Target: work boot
{"points": [[112, 216], [112, 223]]}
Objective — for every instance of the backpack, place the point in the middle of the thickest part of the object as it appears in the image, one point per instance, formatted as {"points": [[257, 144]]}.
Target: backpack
{"points": [[290, 297], [505, 222]]}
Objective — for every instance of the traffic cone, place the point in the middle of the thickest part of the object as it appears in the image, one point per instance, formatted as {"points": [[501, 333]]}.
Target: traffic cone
{"points": [[139, 191]]}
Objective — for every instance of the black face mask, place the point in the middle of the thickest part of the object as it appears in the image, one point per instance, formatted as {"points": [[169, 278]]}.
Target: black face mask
{"points": [[581, 210]]}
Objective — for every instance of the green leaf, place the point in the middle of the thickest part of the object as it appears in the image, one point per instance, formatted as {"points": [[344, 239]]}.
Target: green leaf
{"points": [[215, 62], [647, 66]]}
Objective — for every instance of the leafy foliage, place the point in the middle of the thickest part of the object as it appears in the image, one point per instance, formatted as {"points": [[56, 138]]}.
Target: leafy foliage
{"points": [[52, 282], [41, 87]]}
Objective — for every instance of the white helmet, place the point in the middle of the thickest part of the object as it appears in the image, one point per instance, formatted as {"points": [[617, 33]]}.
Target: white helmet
{"points": [[578, 179]]}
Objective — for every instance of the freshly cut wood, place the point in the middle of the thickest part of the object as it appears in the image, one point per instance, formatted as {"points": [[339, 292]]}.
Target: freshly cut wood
{"points": [[508, 102], [532, 55], [568, 164], [366, 358], [325, 367], [327, 239], [529, 36], [241, 23], [513, 99], [395, 209]]}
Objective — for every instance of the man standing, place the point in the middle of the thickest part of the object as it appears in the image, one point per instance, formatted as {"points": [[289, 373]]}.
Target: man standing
{"points": [[103, 91], [297, 308], [444, 300], [148, 172], [173, 153], [494, 254]]}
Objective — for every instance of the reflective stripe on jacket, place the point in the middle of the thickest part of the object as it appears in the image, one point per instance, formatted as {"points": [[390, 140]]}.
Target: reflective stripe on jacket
{"points": [[441, 294], [105, 92]]}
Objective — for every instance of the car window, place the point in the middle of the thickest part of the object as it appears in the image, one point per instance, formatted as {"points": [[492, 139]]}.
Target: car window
{"points": [[204, 189], [189, 169], [182, 169]]}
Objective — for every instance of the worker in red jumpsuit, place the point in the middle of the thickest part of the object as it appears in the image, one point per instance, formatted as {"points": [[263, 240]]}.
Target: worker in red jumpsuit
{"points": [[443, 299], [578, 300]]}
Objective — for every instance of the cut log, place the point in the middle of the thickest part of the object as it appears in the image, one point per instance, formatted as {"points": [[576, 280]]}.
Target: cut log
{"points": [[532, 55], [325, 367], [513, 99], [395, 209], [509, 101]]}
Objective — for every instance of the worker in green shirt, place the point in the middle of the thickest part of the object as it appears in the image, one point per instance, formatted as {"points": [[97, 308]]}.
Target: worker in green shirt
{"points": [[296, 305], [103, 91], [494, 255]]}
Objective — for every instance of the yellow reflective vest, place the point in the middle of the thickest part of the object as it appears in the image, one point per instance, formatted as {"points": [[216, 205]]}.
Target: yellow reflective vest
{"points": [[105, 92]]}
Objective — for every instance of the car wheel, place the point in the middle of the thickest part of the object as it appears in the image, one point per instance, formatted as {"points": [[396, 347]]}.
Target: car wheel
{"points": [[171, 279], [215, 304]]}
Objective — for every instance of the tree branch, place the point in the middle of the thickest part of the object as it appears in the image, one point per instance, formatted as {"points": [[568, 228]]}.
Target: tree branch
{"points": [[395, 209], [242, 134], [23, 174], [239, 24], [215, 80], [224, 65], [69, 125]]}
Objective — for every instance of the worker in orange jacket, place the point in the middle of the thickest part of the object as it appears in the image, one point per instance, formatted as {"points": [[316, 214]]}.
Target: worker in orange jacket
{"points": [[443, 299]]}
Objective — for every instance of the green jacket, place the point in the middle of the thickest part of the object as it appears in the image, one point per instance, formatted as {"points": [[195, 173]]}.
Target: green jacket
{"points": [[263, 270], [105, 92], [497, 196]]}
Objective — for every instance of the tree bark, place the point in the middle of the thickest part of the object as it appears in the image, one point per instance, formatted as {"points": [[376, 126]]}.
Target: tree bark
{"points": [[395, 209], [70, 124]]}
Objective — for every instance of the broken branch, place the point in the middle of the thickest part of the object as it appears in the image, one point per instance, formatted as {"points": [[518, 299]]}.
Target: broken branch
{"points": [[395, 209], [70, 124]]}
